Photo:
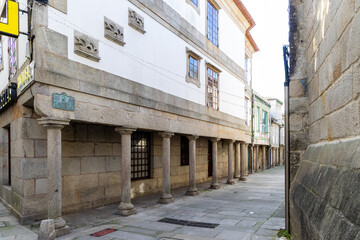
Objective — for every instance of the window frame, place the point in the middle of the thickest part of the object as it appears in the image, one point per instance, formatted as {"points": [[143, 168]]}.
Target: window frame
{"points": [[196, 7], [190, 53], [265, 125], [258, 119], [148, 164], [218, 71], [216, 6]]}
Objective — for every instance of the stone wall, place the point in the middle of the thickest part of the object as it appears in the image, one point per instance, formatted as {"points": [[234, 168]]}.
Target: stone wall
{"points": [[91, 167], [324, 119]]}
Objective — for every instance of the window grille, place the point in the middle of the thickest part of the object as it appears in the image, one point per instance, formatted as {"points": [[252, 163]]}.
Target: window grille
{"points": [[140, 155]]}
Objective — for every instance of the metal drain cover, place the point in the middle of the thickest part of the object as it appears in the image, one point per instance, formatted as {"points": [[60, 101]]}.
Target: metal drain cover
{"points": [[188, 223], [103, 232]]}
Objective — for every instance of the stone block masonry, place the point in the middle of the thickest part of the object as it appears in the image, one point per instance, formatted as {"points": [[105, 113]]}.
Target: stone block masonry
{"points": [[324, 119], [91, 167]]}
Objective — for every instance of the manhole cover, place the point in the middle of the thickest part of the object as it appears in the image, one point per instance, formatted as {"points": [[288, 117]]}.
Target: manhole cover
{"points": [[188, 223], [103, 232]]}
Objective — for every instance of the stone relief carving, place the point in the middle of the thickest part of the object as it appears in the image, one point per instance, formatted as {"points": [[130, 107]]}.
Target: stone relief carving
{"points": [[136, 21], [86, 46], [113, 31]]}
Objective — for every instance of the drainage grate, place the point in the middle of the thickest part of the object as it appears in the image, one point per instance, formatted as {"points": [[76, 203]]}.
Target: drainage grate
{"points": [[188, 223], [103, 232]]}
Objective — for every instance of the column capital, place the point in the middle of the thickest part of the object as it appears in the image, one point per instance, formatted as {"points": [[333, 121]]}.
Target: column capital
{"points": [[53, 122], [166, 134], [125, 130], [231, 141], [192, 137], [214, 139]]}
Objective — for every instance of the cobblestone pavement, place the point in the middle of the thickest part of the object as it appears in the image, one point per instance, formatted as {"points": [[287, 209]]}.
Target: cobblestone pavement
{"points": [[248, 211]]}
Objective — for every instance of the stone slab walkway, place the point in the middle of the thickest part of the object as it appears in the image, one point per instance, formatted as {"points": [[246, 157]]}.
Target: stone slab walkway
{"points": [[250, 211], [245, 211], [10, 229]]}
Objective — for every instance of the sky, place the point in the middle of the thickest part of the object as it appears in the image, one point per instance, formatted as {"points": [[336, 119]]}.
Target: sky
{"points": [[270, 34]]}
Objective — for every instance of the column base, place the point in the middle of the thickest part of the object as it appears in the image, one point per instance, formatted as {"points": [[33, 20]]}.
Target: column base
{"points": [[242, 179], [230, 182], [192, 192], [62, 231], [126, 209], [214, 186], [166, 199]]}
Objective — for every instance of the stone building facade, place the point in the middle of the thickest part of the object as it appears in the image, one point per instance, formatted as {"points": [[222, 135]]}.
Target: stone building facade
{"points": [[260, 133], [324, 119], [140, 98], [276, 132]]}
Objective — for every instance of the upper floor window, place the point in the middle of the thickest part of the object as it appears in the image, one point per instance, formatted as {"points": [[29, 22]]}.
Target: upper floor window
{"points": [[258, 119], [265, 126], [12, 57], [212, 88], [246, 111], [193, 66], [195, 2], [212, 24], [246, 70]]}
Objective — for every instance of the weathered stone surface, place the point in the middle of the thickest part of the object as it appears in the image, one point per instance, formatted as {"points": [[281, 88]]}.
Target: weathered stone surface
{"points": [[41, 186], [324, 193], [61, 5], [47, 230]]}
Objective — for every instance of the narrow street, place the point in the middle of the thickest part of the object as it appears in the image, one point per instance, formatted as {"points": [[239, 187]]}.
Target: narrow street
{"points": [[251, 210]]}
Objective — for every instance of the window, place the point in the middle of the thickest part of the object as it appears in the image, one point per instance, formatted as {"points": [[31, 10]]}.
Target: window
{"points": [[184, 151], [246, 111], [12, 58], [140, 155], [212, 88], [265, 122], [246, 70], [194, 4], [258, 119], [212, 24], [193, 67]]}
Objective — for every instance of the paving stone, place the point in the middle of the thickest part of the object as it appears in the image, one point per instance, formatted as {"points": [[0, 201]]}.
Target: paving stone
{"points": [[255, 211]]}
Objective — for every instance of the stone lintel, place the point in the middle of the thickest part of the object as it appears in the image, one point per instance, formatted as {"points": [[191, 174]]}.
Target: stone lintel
{"points": [[214, 139], [166, 134], [125, 130], [53, 122], [192, 137]]}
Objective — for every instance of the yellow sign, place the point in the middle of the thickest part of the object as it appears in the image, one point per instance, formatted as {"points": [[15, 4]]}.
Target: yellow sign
{"points": [[11, 28]]}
